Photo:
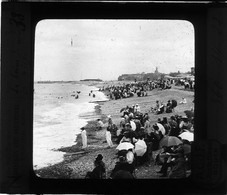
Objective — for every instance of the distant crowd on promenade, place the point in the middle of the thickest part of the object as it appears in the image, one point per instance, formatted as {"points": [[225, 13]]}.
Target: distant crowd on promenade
{"points": [[140, 88]]}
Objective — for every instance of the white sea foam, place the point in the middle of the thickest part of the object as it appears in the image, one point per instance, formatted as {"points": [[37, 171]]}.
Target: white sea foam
{"points": [[59, 125]]}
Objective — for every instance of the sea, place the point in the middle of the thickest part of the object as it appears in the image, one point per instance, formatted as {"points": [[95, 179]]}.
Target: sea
{"points": [[56, 118]]}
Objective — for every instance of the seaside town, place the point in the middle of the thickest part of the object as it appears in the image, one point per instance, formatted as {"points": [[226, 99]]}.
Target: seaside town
{"points": [[144, 130]]}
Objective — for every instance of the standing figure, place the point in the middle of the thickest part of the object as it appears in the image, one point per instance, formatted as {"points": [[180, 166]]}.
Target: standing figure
{"points": [[84, 137], [108, 136]]}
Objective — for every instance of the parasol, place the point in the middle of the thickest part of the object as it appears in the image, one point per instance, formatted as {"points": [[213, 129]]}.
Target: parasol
{"points": [[187, 136], [140, 147], [170, 141], [125, 146]]}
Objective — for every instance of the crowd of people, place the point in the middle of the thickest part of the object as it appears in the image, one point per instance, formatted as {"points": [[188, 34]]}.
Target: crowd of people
{"points": [[187, 83], [136, 88], [138, 137], [160, 107], [140, 88], [136, 127]]}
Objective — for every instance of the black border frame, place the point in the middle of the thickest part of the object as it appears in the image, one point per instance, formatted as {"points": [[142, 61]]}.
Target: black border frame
{"points": [[17, 76]]}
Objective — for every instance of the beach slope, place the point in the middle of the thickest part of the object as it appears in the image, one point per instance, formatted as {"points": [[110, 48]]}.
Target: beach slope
{"points": [[78, 161]]}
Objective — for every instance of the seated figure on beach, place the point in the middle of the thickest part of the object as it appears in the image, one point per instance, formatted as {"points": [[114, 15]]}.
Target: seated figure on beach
{"points": [[133, 124], [122, 170], [185, 124], [130, 156], [129, 134], [154, 110], [147, 127], [173, 122], [122, 130], [99, 172], [160, 109], [139, 93], [165, 160], [137, 123], [100, 124], [137, 109], [131, 109], [159, 130], [169, 107], [124, 137], [123, 122], [178, 164], [154, 138], [166, 124], [183, 101], [174, 104]]}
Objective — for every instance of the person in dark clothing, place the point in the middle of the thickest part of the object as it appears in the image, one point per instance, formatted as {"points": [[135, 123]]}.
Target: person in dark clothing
{"points": [[173, 122], [166, 125], [168, 107], [122, 174], [149, 153], [99, 172], [138, 123], [174, 127], [179, 166], [121, 165], [166, 164], [174, 131], [154, 138], [174, 104]]}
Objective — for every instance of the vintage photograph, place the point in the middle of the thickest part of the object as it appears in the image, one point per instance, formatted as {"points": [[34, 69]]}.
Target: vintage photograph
{"points": [[113, 99]]}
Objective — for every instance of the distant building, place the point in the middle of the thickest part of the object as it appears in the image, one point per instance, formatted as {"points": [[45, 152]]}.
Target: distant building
{"points": [[130, 77]]}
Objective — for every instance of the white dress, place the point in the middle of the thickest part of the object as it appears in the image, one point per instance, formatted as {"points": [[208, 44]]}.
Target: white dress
{"points": [[108, 138], [84, 138]]}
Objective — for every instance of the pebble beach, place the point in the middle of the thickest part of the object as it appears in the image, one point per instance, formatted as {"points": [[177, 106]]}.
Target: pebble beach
{"points": [[77, 161]]}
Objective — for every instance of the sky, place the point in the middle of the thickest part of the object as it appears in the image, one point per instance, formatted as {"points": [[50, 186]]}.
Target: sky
{"points": [[105, 49]]}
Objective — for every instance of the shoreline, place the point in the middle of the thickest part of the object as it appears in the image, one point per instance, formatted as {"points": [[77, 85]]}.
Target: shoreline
{"points": [[75, 152], [78, 161]]}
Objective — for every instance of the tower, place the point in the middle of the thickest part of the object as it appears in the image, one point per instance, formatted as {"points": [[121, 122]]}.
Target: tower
{"points": [[156, 70]]}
